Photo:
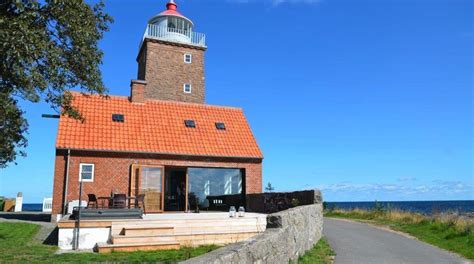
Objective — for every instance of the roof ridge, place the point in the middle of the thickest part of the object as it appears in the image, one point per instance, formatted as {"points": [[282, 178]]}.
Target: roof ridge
{"points": [[193, 104], [160, 101]]}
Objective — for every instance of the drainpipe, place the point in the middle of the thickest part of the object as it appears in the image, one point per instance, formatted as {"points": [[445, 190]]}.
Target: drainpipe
{"points": [[67, 181]]}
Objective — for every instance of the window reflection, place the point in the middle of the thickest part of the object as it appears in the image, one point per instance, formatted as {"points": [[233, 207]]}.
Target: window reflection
{"points": [[215, 188]]}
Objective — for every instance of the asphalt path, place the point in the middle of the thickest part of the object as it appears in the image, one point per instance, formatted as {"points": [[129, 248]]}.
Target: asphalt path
{"points": [[366, 244]]}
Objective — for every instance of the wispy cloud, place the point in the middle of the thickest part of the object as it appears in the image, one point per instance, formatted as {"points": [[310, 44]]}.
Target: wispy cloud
{"points": [[406, 179], [277, 2], [436, 187]]}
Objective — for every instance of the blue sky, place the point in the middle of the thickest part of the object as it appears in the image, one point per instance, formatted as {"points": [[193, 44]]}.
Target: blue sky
{"points": [[367, 100]]}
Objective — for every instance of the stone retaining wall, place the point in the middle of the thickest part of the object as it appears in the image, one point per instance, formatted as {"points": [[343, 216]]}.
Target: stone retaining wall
{"points": [[289, 234]]}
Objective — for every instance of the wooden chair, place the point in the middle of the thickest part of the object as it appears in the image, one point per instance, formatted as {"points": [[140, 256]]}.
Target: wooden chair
{"points": [[92, 201], [119, 201], [140, 199]]}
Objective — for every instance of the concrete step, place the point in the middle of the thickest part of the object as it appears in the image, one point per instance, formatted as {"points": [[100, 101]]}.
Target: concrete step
{"points": [[108, 248], [147, 230]]}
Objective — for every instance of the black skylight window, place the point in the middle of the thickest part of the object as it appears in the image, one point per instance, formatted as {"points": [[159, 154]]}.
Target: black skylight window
{"points": [[118, 118], [189, 123], [220, 126]]}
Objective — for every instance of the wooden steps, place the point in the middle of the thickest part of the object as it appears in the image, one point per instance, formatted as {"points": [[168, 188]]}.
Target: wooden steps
{"points": [[108, 248], [121, 239], [171, 232], [147, 230], [139, 238]]}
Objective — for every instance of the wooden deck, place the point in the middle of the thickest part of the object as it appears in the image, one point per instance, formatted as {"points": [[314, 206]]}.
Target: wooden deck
{"points": [[171, 230]]}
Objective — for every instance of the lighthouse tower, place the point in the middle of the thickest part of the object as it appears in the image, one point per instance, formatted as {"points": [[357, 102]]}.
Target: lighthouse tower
{"points": [[170, 60]]}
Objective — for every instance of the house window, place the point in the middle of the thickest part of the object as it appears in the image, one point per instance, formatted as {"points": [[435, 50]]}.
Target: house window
{"points": [[220, 126], [188, 58], [86, 172], [221, 187], [118, 118], [187, 88], [190, 123]]}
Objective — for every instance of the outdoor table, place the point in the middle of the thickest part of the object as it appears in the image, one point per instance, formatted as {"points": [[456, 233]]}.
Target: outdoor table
{"points": [[103, 199]]}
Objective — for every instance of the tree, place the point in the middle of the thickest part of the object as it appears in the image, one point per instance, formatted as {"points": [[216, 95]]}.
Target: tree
{"points": [[46, 48], [269, 187]]}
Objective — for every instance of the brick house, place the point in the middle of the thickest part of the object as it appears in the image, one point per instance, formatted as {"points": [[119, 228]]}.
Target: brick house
{"points": [[163, 140]]}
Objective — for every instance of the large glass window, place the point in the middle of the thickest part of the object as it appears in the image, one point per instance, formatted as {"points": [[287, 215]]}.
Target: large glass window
{"points": [[215, 188]]}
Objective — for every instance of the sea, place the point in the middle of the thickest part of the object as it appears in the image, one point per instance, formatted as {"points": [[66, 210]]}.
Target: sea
{"points": [[32, 207], [424, 207]]}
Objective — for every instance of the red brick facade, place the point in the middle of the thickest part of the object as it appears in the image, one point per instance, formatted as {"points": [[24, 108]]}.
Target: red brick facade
{"points": [[113, 170], [161, 64]]}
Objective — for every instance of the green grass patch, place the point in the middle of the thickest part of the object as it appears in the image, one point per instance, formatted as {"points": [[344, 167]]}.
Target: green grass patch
{"points": [[451, 232], [18, 246], [320, 254]]}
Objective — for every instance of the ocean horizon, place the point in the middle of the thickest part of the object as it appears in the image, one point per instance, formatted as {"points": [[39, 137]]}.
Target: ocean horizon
{"points": [[425, 207]]}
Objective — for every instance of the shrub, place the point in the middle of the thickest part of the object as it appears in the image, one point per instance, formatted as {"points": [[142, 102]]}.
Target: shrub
{"points": [[295, 202]]}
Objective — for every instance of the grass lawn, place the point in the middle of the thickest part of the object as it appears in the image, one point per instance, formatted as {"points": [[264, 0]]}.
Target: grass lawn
{"points": [[320, 254], [18, 246], [449, 232]]}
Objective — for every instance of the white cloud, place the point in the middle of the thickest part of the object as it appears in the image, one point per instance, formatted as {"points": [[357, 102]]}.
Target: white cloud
{"points": [[407, 179]]}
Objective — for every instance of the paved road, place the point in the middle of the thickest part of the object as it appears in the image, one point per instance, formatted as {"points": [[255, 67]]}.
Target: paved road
{"points": [[361, 243]]}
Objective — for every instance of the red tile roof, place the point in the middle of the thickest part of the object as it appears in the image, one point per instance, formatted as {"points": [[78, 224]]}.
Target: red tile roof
{"points": [[157, 127]]}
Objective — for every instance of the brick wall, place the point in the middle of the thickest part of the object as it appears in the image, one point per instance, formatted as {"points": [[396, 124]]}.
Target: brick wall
{"points": [[137, 91], [162, 65], [112, 170]]}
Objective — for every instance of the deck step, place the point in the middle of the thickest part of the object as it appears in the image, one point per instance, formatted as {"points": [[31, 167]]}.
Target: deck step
{"points": [[128, 239], [129, 247], [147, 231]]}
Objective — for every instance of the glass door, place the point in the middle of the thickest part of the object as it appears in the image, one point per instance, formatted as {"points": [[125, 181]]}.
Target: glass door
{"points": [[148, 180], [175, 189]]}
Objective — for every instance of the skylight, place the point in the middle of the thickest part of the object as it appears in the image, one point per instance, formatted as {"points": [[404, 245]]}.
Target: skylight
{"points": [[118, 118], [190, 123], [220, 125]]}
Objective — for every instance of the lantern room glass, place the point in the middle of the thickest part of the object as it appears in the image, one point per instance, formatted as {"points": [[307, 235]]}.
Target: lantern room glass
{"points": [[180, 24]]}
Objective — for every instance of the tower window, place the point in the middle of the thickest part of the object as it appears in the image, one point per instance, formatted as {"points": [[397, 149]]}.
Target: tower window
{"points": [[187, 88], [188, 58]]}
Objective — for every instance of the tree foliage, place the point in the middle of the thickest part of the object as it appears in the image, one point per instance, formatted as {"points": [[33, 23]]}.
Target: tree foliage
{"points": [[46, 49], [269, 187]]}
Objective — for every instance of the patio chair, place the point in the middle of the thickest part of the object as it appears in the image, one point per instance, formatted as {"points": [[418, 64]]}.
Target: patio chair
{"points": [[140, 199], [119, 201], [92, 201]]}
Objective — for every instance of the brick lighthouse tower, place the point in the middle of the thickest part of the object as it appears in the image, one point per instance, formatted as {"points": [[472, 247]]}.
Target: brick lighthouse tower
{"points": [[170, 60]]}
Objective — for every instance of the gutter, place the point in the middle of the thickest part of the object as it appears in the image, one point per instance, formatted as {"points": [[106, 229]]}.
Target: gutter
{"points": [[163, 153], [67, 181]]}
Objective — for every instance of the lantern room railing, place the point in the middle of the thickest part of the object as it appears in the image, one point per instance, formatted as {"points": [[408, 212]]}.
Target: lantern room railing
{"points": [[174, 35]]}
